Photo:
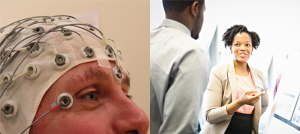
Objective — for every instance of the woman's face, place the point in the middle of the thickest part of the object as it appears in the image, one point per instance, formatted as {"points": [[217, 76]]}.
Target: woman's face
{"points": [[241, 47]]}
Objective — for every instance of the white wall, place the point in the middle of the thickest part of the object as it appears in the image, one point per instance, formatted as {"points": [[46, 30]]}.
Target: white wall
{"points": [[277, 22]]}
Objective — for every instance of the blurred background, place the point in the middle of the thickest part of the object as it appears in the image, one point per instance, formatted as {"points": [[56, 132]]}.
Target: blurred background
{"points": [[277, 23], [124, 21]]}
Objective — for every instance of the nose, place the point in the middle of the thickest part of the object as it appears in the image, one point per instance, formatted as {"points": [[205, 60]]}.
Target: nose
{"points": [[130, 119], [243, 48]]}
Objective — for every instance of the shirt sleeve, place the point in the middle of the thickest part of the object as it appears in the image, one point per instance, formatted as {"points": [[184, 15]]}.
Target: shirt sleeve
{"points": [[214, 111], [184, 97]]}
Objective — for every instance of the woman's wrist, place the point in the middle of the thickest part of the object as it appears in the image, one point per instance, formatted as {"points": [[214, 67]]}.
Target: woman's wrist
{"points": [[231, 108], [239, 102]]}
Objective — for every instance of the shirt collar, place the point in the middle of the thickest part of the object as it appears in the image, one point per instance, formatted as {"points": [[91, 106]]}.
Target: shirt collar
{"points": [[175, 24]]}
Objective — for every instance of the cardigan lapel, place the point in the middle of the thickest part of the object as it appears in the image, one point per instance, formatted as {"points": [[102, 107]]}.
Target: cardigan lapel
{"points": [[254, 76], [257, 106], [232, 80]]}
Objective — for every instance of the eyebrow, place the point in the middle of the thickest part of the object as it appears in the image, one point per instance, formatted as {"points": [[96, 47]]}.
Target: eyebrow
{"points": [[95, 74], [98, 74], [89, 74], [126, 81]]}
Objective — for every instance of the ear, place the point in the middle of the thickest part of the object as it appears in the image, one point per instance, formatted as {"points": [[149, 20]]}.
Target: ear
{"points": [[195, 9], [230, 48]]}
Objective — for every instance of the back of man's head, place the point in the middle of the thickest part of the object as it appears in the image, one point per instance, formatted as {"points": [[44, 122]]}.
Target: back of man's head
{"points": [[178, 5], [188, 12]]}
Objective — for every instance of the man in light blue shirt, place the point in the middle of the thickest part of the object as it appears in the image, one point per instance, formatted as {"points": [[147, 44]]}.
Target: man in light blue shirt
{"points": [[179, 69]]}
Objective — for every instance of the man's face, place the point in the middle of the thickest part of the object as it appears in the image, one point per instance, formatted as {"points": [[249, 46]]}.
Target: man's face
{"points": [[199, 22], [100, 104]]}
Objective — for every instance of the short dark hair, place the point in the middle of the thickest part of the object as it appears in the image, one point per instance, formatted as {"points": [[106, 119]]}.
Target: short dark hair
{"points": [[232, 31], [179, 5]]}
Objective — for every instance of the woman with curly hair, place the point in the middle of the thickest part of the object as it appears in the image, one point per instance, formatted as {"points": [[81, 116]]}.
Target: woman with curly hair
{"points": [[236, 95]]}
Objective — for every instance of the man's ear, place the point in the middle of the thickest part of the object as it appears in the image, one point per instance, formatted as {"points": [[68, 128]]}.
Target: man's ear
{"points": [[195, 10]]}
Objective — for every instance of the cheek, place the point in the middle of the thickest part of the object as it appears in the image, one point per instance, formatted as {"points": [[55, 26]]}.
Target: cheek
{"points": [[235, 52], [249, 52], [83, 122]]}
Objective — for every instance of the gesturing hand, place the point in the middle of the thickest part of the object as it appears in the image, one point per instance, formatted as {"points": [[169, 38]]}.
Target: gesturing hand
{"points": [[250, 97]]}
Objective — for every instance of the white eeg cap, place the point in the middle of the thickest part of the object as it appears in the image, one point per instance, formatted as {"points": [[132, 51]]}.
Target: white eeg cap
{"points": [[31, 68]]}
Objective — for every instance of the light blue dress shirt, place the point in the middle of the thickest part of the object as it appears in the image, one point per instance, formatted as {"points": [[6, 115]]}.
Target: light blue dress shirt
{"points": [[179, 71]]}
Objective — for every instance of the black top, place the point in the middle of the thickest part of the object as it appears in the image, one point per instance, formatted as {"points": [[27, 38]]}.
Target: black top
{"points": [[240, 124]]}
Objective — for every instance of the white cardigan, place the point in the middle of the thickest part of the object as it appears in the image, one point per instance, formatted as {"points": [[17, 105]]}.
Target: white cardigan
{"points": [[221, 91]]}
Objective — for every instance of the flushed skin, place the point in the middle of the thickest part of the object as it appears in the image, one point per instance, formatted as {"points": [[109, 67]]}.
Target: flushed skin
{"points": [[107, 111]]}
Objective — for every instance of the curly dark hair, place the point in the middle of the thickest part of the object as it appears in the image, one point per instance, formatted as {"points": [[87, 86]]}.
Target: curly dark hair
{"points": [[179, 5], [232, 31]]}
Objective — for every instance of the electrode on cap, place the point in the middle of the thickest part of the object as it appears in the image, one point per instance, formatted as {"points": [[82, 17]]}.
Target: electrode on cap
{"points": [[109, 51], [89, 52], [119, 51], [66, 32], [118, 74], [119, 55], [9, 109], [34, 48], [5, 79], [47, 18], [38, 30], [60, 60], [6, 52], [32, 71], [65, 100]]}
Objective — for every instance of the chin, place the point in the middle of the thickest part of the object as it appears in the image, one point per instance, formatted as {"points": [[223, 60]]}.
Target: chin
{"points": [[242, 60]]}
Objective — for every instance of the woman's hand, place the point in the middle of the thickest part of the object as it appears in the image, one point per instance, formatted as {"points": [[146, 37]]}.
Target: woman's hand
{"points": [[250, 98]]}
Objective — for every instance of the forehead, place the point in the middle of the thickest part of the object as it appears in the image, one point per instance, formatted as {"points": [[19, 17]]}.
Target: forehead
{"points": [[242, 37], [89, 74]]}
